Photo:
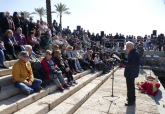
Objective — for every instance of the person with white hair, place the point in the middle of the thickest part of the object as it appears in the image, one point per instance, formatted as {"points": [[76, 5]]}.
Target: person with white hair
{"points": [[131, 72], [23, 76], [38, 71]]}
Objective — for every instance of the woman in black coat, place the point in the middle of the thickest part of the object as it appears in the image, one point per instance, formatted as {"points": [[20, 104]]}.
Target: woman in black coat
{"points": [[7, 23], [16, 20], [64, 67]]}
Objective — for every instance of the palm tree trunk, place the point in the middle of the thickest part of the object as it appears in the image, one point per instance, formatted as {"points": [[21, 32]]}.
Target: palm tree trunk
{"points": [[60, 20], [48, 9]]}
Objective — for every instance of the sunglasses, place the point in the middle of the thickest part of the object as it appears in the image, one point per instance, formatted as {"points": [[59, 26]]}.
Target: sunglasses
{"points": [[50, 54], [26, 56], [59, 54]]}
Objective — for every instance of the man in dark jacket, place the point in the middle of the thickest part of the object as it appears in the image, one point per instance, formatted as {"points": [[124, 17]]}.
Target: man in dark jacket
{"points": [[131, 72], [24, 25], [31, 24]]}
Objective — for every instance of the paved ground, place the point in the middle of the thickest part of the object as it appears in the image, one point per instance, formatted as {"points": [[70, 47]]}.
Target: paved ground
{"points": [[101, 102]]}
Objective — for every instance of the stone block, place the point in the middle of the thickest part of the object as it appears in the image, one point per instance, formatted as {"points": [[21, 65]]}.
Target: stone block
{"points": [[6, 80], [63, 108], [59, 98], [4, 72], [7, 63], [12, 62], [7, 107], [34, 108], [8, 91], [87, 111]]}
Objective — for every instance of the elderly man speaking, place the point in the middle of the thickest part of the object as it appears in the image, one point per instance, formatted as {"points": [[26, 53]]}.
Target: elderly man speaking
{"points": [[131, 72]]}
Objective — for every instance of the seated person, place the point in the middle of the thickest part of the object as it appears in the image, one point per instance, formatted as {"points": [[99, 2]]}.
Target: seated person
{"points": [[39, 37], [31, 40], [65, 42], [55, 48], [53, 72], [37, 72], [48, 42], [85, 49], [78, 56], [19, 37], [116, 48], [71, 40], [2, 60], [23, 75], [88, 62], [11, 44], [56, 41], [76, 41], [70, 61], [99, 63], [107, 44], [108, 60], [64, 67], [59, 36], [80, 49], [71, 56], [3, 51]]}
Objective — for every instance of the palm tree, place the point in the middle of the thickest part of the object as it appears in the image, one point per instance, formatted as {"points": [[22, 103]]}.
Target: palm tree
{"points": [[48, 9], [26, 14], [40, 11], [61, 9]]}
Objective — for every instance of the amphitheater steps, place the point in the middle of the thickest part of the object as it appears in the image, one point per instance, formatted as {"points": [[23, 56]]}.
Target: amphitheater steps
{"points": [[47, 103], [76, 95], [71, 104], [14, 103]]}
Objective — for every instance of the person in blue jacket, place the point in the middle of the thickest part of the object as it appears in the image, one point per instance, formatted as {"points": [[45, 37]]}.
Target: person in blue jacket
{"points": [[131, 72]]}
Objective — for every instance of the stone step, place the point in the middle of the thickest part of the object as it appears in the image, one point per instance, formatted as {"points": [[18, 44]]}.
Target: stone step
{"points": [[6, 80], [15, 103], [71, 104], [4, 72], [47, 103]]}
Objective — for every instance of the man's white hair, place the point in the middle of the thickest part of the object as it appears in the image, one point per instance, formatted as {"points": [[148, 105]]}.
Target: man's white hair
{"points": [[28, 47], [19, 28], [130, 44]]}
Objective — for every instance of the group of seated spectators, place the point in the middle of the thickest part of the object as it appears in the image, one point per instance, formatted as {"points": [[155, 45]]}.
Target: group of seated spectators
{"points": [[66, 53]]}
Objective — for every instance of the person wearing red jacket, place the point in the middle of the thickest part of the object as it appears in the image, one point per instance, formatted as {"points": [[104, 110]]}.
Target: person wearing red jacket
{"points": [[53, 72]]}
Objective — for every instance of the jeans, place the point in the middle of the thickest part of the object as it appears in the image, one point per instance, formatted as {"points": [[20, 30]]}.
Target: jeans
{"points": [[108, 66], [145, 44], [23, 87], [57, 79], [77, 65], [1, 57]]}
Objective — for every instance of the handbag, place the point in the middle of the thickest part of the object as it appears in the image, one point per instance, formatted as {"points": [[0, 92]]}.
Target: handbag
{"points": [[36, 65]]}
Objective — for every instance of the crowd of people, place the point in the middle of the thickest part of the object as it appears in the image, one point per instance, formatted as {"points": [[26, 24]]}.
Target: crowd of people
{"points": [[66, 52]]}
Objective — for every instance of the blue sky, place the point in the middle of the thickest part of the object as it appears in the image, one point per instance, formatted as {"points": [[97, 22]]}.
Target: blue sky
{"points": [[132, 17]]}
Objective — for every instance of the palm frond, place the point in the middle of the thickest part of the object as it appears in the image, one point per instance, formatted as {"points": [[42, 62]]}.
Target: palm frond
{"points": [[41, 12]]}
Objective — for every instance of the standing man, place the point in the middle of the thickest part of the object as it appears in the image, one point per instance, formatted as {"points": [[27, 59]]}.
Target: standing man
{"points": [[131, 72]]}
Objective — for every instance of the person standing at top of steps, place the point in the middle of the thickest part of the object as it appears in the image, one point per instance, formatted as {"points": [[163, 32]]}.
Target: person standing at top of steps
{"points": [[23, 76], [131, 72]]}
